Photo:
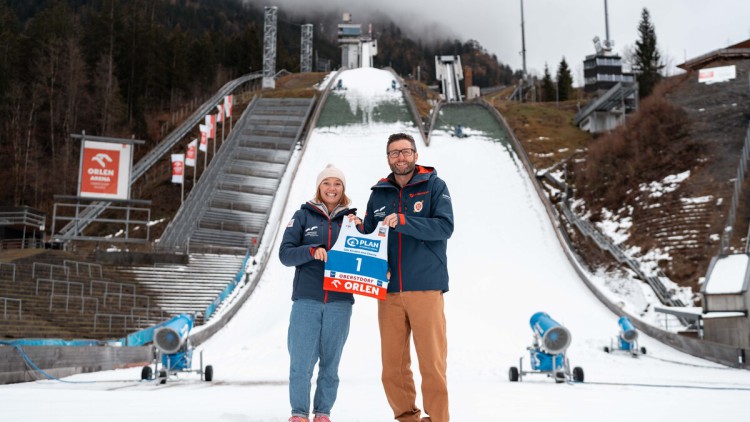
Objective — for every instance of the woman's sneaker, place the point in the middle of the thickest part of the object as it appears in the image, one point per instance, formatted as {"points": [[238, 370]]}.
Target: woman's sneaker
{"points": [[298, 419], [322, 418]]}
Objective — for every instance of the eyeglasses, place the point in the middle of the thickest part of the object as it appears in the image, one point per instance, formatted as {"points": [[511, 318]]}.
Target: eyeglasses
{"points": [[406, 152]]}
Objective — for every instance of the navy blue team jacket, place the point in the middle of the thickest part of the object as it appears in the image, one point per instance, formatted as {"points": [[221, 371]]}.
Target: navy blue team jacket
{"points": [[417, 247]]}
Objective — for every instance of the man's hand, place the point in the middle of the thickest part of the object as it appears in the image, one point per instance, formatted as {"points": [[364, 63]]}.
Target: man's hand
{"points": [[391, 220], [321, 254]]}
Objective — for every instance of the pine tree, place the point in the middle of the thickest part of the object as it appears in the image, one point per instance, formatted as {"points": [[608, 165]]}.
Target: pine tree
{"points": [[564, 81], [548, 87], [647, 61]]}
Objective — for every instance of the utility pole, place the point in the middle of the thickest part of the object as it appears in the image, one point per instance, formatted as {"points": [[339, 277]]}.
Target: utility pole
{"points": [[523, 41], [523, 54], [606, 24]]}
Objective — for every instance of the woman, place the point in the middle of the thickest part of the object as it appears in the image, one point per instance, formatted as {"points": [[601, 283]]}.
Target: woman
{"points": [[319, 322]]}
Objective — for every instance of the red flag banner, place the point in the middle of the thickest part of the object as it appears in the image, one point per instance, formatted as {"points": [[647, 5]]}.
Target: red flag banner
{"points": [[220, 114], [192, 152], [204, 138], [178, 168], [211, 124], [228, 100]]}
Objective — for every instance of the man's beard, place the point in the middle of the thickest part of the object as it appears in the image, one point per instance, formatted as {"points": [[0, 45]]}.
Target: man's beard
{"points": [[409, 169]]}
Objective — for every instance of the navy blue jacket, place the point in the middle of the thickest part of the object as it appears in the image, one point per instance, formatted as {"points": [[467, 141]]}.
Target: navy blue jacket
{"points": [[417, 246], [309, 228]]}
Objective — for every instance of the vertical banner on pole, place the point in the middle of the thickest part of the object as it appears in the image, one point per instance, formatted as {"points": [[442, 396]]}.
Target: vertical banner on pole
{"points": [[191, 157], [192, 152], [204, 144], [220, 118], [204, 138], [228, 102], [211, 123], [178, 172], [178, 168]]}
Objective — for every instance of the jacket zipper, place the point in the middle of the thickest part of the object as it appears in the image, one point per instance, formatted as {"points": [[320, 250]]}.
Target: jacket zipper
{"points": [[400, 277], [330, 222]]}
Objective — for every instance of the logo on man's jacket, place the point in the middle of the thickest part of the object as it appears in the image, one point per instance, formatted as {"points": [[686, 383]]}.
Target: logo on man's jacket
{"points": [[379, 213], [311, 231], [418, 206], [361, 243]]}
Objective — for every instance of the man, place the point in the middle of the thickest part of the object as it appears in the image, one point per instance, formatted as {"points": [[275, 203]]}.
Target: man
{"points": [[416, 205]]}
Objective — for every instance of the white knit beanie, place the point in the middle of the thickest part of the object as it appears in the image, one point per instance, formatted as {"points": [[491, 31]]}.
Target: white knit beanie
{"points": [[331, 171]]}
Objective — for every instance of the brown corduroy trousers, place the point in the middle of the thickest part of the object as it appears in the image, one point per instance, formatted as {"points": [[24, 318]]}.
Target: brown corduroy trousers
{"points": [[419, 314]]}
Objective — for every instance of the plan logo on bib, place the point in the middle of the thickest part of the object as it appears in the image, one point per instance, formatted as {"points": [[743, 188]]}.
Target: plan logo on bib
{"points": [[363, 244], [358, 263]]}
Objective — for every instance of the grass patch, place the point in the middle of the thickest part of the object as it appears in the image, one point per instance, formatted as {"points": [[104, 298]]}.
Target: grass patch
{"points": [[545, 130]]}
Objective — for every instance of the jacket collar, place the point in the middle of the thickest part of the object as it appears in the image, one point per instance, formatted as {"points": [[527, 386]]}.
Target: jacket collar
{"points": [[321, 208]]}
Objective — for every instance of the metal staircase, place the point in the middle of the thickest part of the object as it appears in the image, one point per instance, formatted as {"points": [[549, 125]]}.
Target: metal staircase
{"points": [[230, 205]]}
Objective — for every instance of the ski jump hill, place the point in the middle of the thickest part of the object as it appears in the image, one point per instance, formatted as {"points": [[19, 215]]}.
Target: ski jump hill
{"points": [[507, 261]]}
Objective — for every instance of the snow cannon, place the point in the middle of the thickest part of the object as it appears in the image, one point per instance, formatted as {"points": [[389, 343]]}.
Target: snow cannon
{"points": [[552, 338], [170, 337], [172, 349], [626, 340], [627, 331], [548, 352]]}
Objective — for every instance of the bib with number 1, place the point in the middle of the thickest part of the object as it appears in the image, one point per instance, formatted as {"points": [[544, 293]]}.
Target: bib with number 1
{"points": [[358, 263]]}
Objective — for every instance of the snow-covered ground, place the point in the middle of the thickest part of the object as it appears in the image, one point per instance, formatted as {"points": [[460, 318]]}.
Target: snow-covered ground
{"points": [[505, 264]]}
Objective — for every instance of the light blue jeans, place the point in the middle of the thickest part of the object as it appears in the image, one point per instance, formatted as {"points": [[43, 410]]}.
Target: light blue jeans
{"points": [[317, 330]]}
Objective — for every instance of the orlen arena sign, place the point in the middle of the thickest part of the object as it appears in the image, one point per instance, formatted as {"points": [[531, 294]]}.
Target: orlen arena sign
{"points": [[105, 170]]}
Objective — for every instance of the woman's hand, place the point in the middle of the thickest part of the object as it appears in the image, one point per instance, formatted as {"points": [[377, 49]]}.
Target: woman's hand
{"points": [[321, 254], [354, 218]]}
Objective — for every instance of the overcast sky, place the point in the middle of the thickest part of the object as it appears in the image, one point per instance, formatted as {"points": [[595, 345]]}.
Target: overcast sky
{"points": [[557, 28]]}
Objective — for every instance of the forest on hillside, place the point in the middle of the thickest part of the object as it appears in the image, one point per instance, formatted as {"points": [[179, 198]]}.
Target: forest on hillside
{"points": [[108, 66]]}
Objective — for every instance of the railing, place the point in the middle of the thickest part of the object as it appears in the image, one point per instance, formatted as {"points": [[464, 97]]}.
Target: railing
{"points": [[120, 293], [604, 243], [736, 192], [5, 306], [51, 267], [211, 308], [189, 214], [22, 216], [54, 282], [433, 120], [128, 295], [10, 269], [28, 243], [140, 168], [89, 266], [412, 106], [110, 317]]}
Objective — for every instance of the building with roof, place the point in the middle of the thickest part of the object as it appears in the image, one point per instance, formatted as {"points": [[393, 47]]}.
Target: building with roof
{"points": [[726, 300]]}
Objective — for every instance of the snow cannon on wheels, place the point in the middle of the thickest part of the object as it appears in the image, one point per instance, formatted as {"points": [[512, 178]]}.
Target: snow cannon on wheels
{"points": [[626, 340], [172, 350], [547, 353]]}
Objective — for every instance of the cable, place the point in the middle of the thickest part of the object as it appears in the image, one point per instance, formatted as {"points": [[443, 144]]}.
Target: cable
{"points": [[33, 366]]}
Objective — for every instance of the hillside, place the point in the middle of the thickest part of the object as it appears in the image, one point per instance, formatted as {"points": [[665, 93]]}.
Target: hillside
{"points": [[677, 229], [121, 69]]}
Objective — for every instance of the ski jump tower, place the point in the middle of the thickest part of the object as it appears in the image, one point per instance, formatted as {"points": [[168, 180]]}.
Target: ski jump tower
{"points": [[357, 49], [448, 72]]}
